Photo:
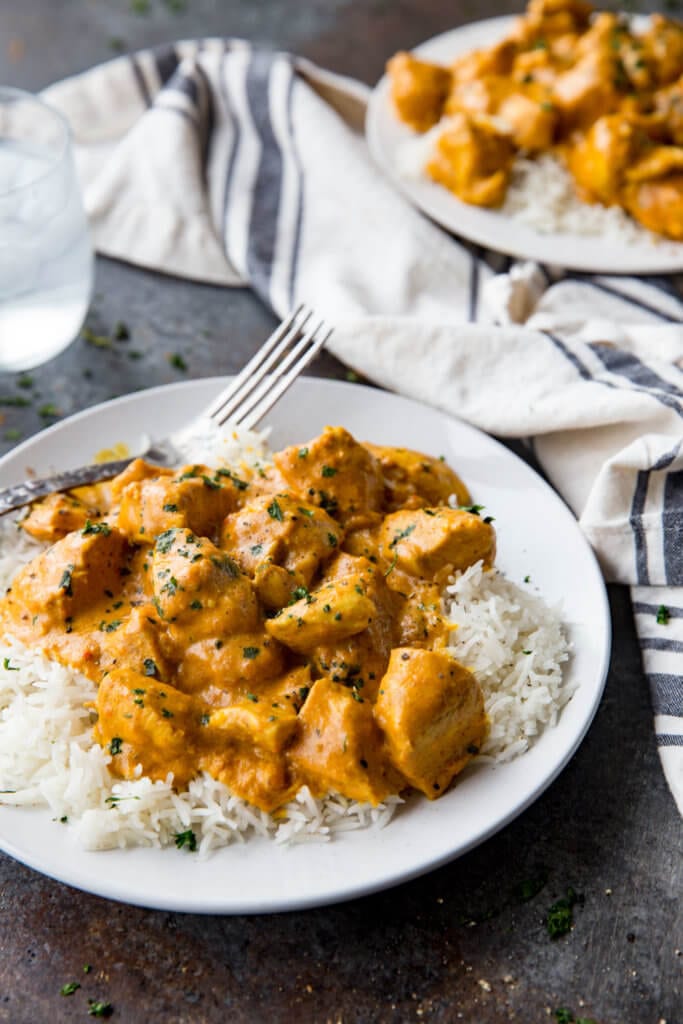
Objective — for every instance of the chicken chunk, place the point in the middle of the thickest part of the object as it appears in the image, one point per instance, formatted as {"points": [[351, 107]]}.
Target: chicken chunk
{"points": [[70, 576], [337, 473], [339, 748], [418, 90], [473, 159], [422, 622], [587, 91], [58, 514], [221, 671], [362, 658], [281, 531], [244, 747], [431, 711], [137, 644], [657, 204], [522, 109], [425, 543], [663, 45], [600, 158], [330, 614], [142, 721], [412, 479], [195, 498], [199, 591]]}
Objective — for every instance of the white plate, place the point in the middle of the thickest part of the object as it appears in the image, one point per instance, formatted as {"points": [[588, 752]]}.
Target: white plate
{"points": [[537, 536], [386, 135]]}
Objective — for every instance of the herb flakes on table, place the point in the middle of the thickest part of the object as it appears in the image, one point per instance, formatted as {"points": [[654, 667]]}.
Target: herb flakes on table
{"points": [[560, 916]]}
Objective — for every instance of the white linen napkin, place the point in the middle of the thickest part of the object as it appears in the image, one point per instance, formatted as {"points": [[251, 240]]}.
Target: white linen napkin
{"points": [[224, 163]]}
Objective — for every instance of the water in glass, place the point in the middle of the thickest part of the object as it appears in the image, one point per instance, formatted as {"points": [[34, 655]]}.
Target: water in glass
{"points": [[46, 261]]}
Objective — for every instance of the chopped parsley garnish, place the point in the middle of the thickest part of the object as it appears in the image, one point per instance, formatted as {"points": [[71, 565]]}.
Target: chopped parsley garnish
{"points": [[69, 988], [115, 745], [164, 541], [186, 839], [391, 567], [149, 666], [196, 605], [565, 1016], [531, 886], [329, 471], [252, 697], [241, 485], [99, 1009], [48, 410], [177, 362], [663, 615], [527, 579], [251, 652], [17, 401], [330, 505], [25, 381], [65, 582], [165, 713], [560, 915], [7, 667], [306, 511], [332, 540], [402, 534], [299, 593], [170, 507], [102, 528], [256, 549], [474, 509], [274, 510], [303, 452], [110, 627]]}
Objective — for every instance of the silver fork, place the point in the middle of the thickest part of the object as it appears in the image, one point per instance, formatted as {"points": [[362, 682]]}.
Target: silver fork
{"points": [[245, 401]]}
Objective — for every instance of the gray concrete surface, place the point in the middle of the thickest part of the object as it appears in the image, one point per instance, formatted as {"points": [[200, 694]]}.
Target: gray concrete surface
{"points": [[460, 943]]}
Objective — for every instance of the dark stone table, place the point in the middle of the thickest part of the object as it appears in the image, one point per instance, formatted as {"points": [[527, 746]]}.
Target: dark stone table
{"points": [[460, 943]]}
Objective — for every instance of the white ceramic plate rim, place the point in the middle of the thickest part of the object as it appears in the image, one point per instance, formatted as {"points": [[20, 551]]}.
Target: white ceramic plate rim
{"points": [[259, 877], [385, 133]]}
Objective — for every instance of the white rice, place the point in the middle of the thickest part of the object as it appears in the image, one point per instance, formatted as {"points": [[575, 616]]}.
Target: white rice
{"points": [[505, 635], [541, 195], [514, 644]]}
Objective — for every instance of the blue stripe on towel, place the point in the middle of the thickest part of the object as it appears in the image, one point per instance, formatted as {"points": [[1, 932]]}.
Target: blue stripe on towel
{"points": [[669, 740], [673, 528], [660, 643], [166, 61], [637, 528], [667, 693], [268, 184], [296, 241]]}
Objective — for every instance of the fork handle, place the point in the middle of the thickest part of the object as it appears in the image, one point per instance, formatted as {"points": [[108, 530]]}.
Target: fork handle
{"points": [[19, 495]]}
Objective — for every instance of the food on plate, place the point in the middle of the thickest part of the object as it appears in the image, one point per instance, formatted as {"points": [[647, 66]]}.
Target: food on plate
{"points": [[602, 98], [302, 631], [234, 633]]}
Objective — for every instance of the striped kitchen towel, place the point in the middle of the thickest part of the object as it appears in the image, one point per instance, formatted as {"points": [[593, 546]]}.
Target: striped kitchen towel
{"points": [[223, 163]]}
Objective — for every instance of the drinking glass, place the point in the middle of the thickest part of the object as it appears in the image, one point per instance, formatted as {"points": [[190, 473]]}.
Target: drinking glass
{"points": [[46, 262]]}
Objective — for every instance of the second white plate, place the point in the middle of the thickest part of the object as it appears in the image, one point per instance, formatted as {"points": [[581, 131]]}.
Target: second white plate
{"points": [[387, 135]]}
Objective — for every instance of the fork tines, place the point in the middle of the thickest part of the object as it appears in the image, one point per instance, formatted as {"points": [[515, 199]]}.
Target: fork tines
{"points": [[271, 370]]}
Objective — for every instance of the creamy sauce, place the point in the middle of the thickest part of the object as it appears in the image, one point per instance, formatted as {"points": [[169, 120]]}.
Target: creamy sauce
{"points": [[272, 627]]}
